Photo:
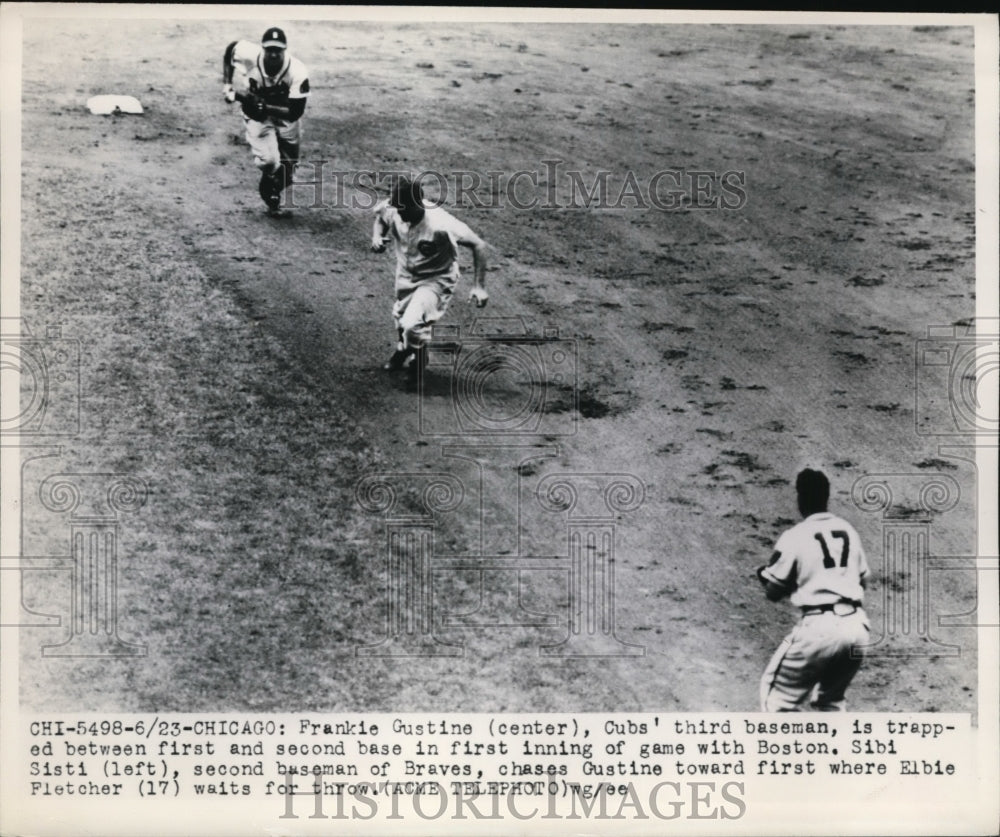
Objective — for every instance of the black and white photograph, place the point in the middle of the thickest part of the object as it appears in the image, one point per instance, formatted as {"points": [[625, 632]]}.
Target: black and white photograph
{"points": [[428, 407]]}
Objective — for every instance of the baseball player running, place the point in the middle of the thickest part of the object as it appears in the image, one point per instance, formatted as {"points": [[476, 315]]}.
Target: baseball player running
{"points": [[820, 564], [272, 88], [425, 239]]}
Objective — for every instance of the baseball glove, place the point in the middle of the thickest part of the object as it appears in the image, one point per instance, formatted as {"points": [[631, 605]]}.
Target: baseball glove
{"points": [[276, 94], [254, 107]]}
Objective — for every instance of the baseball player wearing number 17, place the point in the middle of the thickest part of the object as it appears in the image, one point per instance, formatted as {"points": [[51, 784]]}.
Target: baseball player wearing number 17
{"points": [[820, 564]]}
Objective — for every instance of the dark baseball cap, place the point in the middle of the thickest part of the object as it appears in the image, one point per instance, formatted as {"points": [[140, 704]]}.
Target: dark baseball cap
{"points": [[406, 193], [274, 37]]}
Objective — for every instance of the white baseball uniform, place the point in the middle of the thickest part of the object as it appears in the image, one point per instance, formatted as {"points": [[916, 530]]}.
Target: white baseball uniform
{"points": [[426, 267], [292, 81], [822, 562]]}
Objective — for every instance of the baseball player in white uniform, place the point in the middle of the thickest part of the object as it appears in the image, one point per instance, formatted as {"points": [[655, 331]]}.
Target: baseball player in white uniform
{"points": [[821, 565], [272, 87], [425, 239]]}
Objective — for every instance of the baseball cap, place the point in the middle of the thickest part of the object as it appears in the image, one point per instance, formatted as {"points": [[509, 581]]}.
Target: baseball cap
{"points": [[274, 37], [406, 193]]}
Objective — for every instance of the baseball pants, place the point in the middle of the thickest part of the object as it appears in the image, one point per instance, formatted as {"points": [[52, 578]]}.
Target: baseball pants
{"points": [[416, 313], [271, 145], [815, 663], [276, 153]]}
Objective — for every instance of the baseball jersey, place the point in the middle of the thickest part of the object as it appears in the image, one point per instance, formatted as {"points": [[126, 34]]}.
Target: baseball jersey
{"points": [[425, 251], [821, 560], [292, 81]]}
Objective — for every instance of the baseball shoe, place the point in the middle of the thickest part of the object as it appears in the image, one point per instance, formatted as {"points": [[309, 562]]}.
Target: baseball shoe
{"points": [[398, 360], [275, 211]]}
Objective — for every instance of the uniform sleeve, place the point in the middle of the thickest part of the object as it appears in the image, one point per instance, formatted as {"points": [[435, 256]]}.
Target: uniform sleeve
{"points": [[298, 82], [781, 569], [459, 230], [245, 55]]}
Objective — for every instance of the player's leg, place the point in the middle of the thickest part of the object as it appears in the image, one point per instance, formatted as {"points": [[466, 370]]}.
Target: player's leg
{"points": [[412, 329], [289, 143], [399, 357], [289, 160], [419, 314], [415, 314], [269, 189], [263, 140], [791, 675], [403, 353], [842, 663], [426, 306]]}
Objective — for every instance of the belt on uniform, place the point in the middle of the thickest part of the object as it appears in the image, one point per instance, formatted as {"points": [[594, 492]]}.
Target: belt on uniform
{"points": [[845, 607]]}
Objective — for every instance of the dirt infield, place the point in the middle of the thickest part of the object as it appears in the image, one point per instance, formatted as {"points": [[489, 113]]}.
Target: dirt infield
{"points": [[230, 361]]}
